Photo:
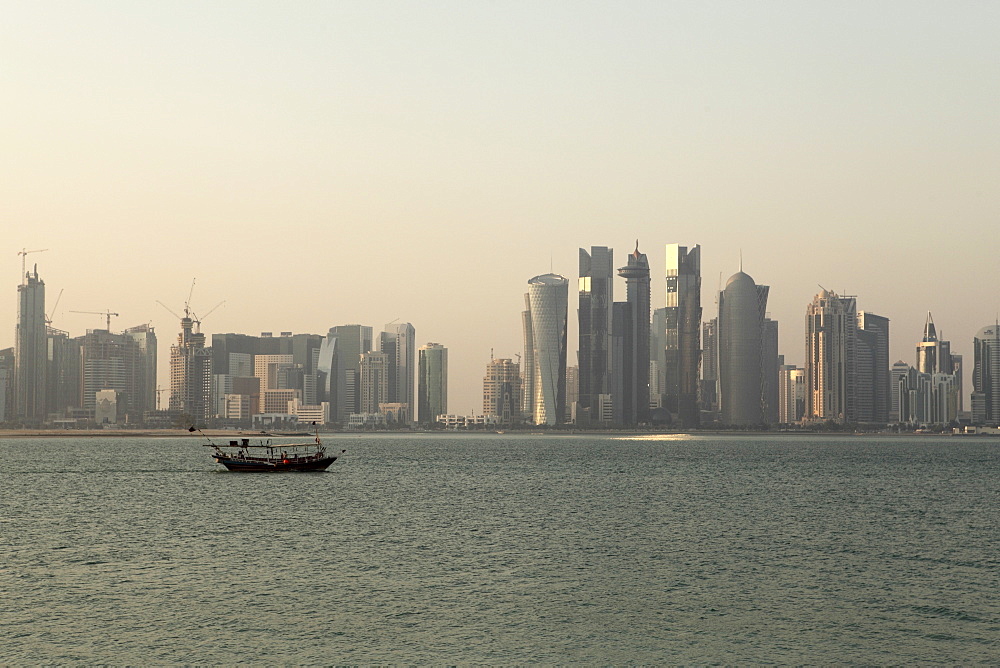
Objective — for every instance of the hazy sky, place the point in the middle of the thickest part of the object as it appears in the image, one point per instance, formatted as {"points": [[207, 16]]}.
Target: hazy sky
{"points": [[325, 163]]}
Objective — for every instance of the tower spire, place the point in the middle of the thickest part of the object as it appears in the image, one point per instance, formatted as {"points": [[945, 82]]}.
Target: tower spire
{"points": [[929, 331]]}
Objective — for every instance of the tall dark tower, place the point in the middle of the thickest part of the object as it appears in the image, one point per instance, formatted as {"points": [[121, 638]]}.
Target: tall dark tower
{"points": [[742, 306], [31, 352], [683, 333], [635, 363], [596, 303]]}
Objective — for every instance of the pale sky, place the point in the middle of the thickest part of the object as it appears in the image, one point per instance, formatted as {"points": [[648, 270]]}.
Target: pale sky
{"points": [[325, 163]]}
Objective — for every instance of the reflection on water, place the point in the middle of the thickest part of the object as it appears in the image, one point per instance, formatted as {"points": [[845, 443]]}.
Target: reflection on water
{"points": [[654, 437]]}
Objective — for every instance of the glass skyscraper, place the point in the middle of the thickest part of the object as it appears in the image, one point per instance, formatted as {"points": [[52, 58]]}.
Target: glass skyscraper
{"points": [[986, 376], [742, 306], [432, 384], [634, 371], [596, 297], [545, 346], [682, 335]]}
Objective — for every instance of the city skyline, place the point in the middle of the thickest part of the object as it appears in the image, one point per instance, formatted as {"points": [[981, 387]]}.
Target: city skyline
{"points": [[847, 372], [852, 146]]}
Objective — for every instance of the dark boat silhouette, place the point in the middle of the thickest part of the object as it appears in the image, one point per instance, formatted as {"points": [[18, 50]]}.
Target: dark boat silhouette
{"points": [[262, 455]]}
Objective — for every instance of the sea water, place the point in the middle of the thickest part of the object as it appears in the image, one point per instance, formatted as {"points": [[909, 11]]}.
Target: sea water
{"points": [[504, 549]]}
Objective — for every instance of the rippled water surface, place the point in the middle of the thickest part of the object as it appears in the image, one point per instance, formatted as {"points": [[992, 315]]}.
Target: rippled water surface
{"points": [[504, 549]]}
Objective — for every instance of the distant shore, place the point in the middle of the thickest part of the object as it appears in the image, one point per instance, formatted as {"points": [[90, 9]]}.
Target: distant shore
{"points": [[220, 433], [93, 433]]}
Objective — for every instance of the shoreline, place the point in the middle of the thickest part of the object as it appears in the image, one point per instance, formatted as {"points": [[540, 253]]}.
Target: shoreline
{"points": [[219, 433]]}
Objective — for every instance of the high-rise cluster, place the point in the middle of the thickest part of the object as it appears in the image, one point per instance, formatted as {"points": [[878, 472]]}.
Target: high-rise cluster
{"points": [[104, 377], [635, 365], [52, 379], [847, 370], [669, 367], [609, 385], [930, 392], [348, 377]]}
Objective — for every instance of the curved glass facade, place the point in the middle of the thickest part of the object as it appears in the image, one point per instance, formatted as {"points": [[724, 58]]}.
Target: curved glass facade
{"points": [[548, 297], [741, 328]]}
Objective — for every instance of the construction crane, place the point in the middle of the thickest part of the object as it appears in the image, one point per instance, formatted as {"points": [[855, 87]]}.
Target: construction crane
{"points": [[197, 320], [48, 318], [169, 310], [188, 313], [187, 304], [108, 314], [24, 255]]}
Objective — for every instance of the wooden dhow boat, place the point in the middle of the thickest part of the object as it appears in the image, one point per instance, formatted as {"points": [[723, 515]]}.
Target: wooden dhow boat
{"points": [[264, 455]]}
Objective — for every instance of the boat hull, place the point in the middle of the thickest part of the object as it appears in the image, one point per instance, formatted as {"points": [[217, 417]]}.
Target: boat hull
{"points": [[278, 466]]}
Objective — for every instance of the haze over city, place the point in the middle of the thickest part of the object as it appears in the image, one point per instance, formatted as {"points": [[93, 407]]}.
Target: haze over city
{"points": [[323, 164]]}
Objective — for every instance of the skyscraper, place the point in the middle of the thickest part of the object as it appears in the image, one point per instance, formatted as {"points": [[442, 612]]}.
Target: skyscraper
{"points": [[62, 382], [930, 392], [791, 394], [658, 358], [502, 390], [398, 341], [596, 299], [902, 377], [351, 342], [30, 349], [432, 389], [771, 363], [7, 367], [986, 376], [634, 369], [683, 333], [545, 333], [528, 372], [831, 337], [934, 356], [708, 390], [122, 363], [873, 374], [742, 306], [374, 381], [191, 374], [929, 349], [144, 337], [572, 389], [611, 404]]}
